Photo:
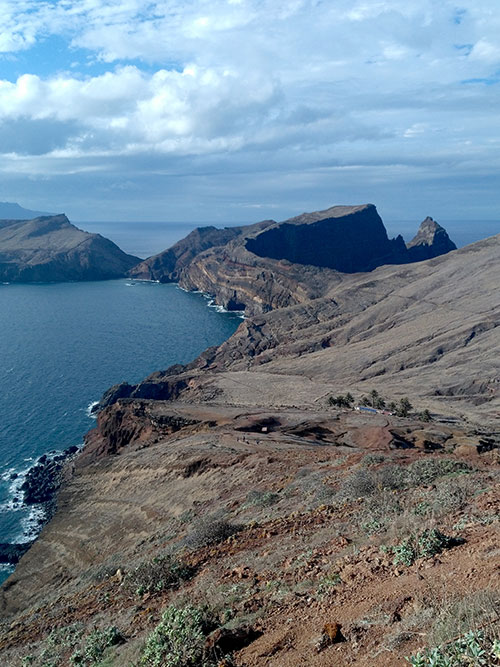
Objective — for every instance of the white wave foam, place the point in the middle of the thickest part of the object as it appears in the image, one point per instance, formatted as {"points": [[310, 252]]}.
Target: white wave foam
{"points": [[88, 409], [32, 524]]}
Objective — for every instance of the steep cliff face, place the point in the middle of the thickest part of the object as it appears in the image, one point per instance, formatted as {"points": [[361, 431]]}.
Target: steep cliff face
{"points": [[167, 266], [273, 265], [346, 238], [50, 248], [430, 241]]}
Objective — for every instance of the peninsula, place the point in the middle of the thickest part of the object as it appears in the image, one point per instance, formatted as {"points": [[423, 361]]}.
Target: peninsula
{"points": [[51, 249]]}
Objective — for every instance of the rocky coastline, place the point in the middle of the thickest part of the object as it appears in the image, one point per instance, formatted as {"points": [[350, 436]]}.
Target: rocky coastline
{"points": [[39, 489]]}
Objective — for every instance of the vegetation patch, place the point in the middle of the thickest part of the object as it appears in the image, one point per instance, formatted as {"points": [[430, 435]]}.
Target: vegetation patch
{"points": [[261, 499], [209, 531], [158, 574], [96, 644], [473, 648], [426, 544], [179, 639]]}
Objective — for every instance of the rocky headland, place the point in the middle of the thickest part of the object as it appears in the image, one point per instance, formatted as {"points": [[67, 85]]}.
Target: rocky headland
{"points": [[51, 249], [270, 265], [244, 495]]}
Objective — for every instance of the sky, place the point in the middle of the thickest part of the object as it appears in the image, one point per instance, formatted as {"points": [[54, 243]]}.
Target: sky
{"points": [[242, 110]]}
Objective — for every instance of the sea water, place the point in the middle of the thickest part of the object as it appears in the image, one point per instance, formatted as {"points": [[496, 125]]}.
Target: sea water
{"points": [[62, 345]]}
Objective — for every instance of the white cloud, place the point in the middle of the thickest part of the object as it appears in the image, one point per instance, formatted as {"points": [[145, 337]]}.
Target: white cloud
{"points": [[254, 84]]}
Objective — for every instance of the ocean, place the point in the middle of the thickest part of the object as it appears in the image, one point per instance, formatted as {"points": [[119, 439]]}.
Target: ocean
{"points": [[63, 345]]}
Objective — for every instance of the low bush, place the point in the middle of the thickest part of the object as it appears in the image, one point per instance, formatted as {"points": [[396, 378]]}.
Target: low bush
{"points": [[96, 644], [261, 498], [210, 531], [473, 648], [178, 640], [426, 544], [359, 484], [425, 471], [158, 574]]}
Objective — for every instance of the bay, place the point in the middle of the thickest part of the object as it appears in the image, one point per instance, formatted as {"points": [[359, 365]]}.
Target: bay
{"points": [[62, 345]]}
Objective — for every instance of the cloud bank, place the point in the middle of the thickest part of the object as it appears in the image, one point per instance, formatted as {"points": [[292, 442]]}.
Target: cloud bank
{"points": [[220, 102]]}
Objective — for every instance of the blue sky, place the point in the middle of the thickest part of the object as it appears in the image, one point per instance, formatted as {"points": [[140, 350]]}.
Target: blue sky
{"points": [[239, 110]]}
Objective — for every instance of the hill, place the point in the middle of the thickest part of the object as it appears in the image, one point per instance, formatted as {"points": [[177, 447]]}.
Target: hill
{"points": [[50, 248], [269, 265]]}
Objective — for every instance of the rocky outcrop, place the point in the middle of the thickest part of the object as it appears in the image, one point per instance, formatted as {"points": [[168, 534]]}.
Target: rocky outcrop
{"points": [[50, 248], [11, 553], [273, 265], [167, 265], [346, 238], [43, 479], [430, 241]]}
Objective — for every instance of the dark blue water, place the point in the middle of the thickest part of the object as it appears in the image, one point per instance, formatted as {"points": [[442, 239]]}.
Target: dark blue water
{"points": [[63, 345]]}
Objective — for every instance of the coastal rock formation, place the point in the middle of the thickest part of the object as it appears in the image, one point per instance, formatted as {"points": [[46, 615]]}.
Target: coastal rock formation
{"points": [[430, 241], [11, 553], [273, 265], [50, 248], [433, 325], [167, 265], [346, 238]]}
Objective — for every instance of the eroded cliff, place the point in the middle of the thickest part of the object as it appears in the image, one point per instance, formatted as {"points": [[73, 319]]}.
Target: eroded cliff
{"points": [[272, 265], [308, 534]]}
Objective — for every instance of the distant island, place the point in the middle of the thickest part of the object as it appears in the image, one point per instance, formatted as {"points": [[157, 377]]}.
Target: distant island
{"points": [[12, 211]]}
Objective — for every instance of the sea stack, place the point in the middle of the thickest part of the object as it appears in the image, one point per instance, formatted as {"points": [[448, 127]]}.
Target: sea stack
{"points": [[430, 241]]}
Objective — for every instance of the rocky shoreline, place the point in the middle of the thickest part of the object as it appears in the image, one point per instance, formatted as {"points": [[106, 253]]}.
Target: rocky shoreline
{"points": [[38, 489]]}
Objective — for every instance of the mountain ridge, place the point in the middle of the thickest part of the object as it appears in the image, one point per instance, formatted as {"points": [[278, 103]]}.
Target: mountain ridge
{"points": [[269, 265]]}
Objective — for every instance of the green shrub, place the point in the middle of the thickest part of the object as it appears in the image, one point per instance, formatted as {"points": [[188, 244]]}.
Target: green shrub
{"points": [[473, 648], [178, 640], [425, 471], [341, 401], [372, 459], [261, 498], [403, 408], [359, 484], [158, 574], [426, 544], [95, 646]]}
